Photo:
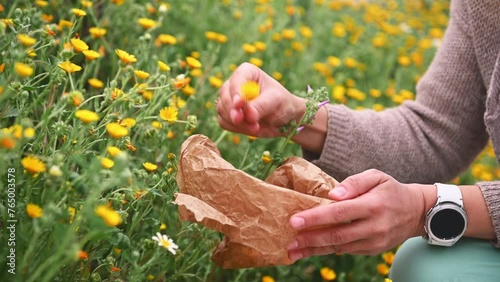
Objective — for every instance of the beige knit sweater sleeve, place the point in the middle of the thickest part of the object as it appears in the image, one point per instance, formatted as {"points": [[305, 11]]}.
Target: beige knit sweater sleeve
{"points": [[431, 139]]}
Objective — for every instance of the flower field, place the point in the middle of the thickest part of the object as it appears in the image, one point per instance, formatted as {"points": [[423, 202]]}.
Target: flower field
{"points": [[96, 98]]}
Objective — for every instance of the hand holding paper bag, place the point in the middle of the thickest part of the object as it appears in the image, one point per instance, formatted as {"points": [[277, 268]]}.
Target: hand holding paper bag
{"points": [[252, 214]]}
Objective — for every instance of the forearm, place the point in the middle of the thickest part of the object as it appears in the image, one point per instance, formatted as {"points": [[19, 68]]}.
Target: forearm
{"points": [[479, 221]]}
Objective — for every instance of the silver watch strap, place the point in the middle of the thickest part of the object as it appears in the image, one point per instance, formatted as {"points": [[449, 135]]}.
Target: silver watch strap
{"points": [[449, 193]]}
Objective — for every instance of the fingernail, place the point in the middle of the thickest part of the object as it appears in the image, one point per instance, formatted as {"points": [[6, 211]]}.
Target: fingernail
{"points": [[294, 256], [292, 245], [338, 192], [297, 222]]}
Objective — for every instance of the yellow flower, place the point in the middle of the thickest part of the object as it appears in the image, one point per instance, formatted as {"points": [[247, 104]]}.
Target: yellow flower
{"points": [[163, 226], [196, 72], [156, 124], [7, 142], [69, 67], [86, 116], [215, 81], [31, 53], [146, 23], [128, 122], [41, 3], [97, 32], [114, 151], [107, 163], [78, 12], [339, 30], [34, 211], [277, 75], [166, 39], [125, 57], [116, 93], [267, 278], [256, 61], [221, 38], [306, 31], [2, 67], [287, 34], [169, 114], [249, 48], [350, 62], [250, 90], [266, 157], [328, 274], [96, 83], [147, 95], [193, 63], [162, 66], [141, 74], [170, 135], [26, 40], [79, 45], [149, 166], [115, 130], [383, 269], [110, 216], [388, 257], [86, 3], [33, 165], [91, 54], [118, 2], [404, 61], [23, 70]]}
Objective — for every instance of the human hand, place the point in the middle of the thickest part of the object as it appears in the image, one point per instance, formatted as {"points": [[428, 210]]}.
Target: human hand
{"points": [[263, 116], [374, 213]]}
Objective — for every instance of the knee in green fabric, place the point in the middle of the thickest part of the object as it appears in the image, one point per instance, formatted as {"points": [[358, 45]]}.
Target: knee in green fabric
{"points": [[468, 260]]}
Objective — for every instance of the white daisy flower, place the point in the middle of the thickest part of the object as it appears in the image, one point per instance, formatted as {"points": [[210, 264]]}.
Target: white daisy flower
{"points": [[165, 242]]}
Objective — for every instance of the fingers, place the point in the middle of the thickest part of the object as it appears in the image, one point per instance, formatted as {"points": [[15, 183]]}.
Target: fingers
{"points": [[358, 184], [342, 235], [245, 72], [335, 213]]}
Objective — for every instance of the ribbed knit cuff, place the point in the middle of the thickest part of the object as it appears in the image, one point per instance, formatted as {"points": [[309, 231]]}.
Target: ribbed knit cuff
{"points": [[333, 159], [491, 194]]}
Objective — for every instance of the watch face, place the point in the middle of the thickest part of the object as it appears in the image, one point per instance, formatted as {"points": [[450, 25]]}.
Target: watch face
{"points": [[447, 224]]}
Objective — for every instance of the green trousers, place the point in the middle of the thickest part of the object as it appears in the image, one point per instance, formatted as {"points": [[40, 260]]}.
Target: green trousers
{"points": [[469, 260]]}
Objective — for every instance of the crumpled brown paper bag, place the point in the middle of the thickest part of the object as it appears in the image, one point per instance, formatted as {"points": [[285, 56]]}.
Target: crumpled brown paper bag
{"points": [[252, 214]]}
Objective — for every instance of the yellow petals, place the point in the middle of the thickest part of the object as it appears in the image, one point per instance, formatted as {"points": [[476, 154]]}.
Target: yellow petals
{"points": [[86, 116], [169, 114], [110, 216], [113, 151], [7, 142], [78, 12], [107, 163], [115, 130], [2, 67], [26, 40], [328, 274], [95, 83], [167, 39], [141, 74], [69, 67], [149, 166], [34, 211], [162, 66], [250, 90], [215, 81], [23, 70], [97, 32], [125, 57], [128, 122], [79, 45], [33, 165], [146, 23], [193, 63]]}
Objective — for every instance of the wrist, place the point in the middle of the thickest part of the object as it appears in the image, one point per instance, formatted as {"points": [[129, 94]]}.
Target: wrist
{"points": [[427, 197]]}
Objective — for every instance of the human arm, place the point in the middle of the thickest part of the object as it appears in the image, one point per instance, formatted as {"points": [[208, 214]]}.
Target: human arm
{"points": [[375, 213]]}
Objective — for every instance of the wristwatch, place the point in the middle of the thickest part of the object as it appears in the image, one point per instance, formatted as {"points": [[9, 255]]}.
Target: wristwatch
{"points": [[446, 222]]}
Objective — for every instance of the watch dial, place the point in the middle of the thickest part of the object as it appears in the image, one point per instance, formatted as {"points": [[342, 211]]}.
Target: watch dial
{"points": [[447, 224]]}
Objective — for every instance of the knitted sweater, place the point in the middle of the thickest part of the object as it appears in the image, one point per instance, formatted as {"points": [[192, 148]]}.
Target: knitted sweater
{"points": [[437, 136]]}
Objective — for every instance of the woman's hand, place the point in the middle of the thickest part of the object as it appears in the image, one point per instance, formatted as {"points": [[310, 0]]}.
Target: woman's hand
{"points": [[263, 116], [374, 213]]}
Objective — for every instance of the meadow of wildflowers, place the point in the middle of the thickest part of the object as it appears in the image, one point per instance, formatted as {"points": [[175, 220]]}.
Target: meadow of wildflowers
{"points": [[96, 98]]}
